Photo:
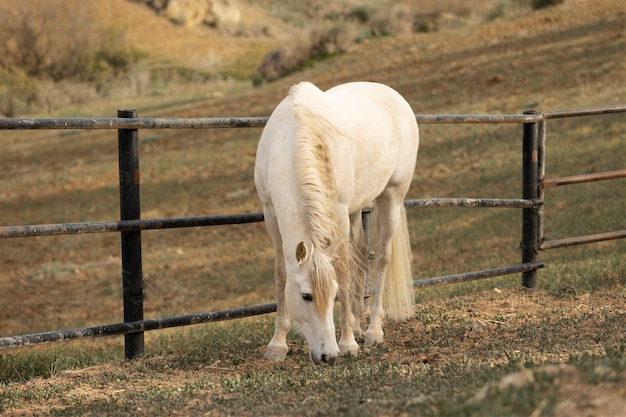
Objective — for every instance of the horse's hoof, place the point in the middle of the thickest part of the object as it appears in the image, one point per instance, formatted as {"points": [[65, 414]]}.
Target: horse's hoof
{"points": [[373, 338], [350, 348], [276, 353]]}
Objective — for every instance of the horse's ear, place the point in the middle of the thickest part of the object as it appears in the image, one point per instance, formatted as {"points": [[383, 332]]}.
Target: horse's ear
{"points": [[301, 253]]}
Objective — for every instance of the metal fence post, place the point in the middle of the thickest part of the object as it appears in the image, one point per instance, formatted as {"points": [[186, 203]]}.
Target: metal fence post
{"points": [[132, 276], [530, 190], [540, 180]]}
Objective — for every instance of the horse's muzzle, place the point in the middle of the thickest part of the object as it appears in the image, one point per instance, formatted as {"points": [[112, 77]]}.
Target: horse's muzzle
{"points": [[323, 359]]}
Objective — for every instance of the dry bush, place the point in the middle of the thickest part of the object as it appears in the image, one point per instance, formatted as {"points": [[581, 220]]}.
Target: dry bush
{"points": [[59, 39], [46, 39], [338, 30], [325, 40], [279, 62], [397, 20], [542, 4], [17, 90], [329, 39], [55, 53]]}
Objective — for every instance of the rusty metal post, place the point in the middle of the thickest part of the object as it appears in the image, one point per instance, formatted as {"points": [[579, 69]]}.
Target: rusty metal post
{"points": [[530, 190], [132, 275]]}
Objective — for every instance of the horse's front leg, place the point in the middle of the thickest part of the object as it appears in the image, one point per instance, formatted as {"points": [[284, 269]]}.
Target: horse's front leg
{"points": [[277, 348], [347, 342]]}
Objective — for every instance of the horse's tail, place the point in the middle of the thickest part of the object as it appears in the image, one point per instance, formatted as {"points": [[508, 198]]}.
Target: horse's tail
{"points": [[398, 298]]}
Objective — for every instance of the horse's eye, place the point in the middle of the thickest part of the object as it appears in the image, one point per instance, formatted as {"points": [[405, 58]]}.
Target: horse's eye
{"points": [[307, 297]]}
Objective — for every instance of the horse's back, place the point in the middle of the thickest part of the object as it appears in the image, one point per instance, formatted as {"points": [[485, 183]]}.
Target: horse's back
{"points": [[361, 111], [369, 116], [376, 143], [370, 130], [352, 105]]}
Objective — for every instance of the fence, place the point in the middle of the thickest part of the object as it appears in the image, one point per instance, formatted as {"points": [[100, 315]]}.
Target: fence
{"points": [[130, 225]]}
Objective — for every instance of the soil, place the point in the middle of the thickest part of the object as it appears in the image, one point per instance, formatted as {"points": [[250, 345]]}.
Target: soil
{"points": [[492, 318]]}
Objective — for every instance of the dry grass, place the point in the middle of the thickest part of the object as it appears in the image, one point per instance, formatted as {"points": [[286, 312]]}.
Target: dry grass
{"points": [[72, 176]]}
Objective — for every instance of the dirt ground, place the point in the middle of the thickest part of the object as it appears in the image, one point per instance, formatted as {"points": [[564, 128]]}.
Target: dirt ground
{"points": [[489, 318]]}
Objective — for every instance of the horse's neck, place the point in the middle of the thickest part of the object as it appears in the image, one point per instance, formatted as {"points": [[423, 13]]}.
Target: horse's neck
{"points": [[316, 186]]}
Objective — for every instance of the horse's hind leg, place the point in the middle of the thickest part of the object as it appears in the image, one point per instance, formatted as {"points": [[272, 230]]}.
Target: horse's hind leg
{"points": [[277, 348], [359, 240], [387, 217]]}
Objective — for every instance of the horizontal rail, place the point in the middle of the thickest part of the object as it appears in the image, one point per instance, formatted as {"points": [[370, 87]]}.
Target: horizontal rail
{"points": [[578, 179], [216, 122], [133, 326], [580, 240], [477, 118], [587, 111], [217, 220], [485, 273], [127, 225], [134, 123], [190, 319], [471, 202]]}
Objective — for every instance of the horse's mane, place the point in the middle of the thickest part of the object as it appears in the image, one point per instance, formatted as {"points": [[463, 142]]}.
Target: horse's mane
{"points": [[315, 177], [317, 194]]}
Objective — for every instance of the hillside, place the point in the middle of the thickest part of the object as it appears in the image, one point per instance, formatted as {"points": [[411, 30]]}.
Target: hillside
{"points": [[189, 33], [503, 60], [502, 66], [210, 58]]}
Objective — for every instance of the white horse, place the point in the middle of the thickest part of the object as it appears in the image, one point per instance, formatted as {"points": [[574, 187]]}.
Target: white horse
{"points": [[322, 157]]}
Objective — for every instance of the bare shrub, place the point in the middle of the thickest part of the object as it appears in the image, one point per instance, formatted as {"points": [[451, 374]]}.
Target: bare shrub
{"points": [[56, 53], [52, 96], [58, 39], [397, 20], [542, 4], [325, 40], [280, 62], [46, 38], [331, 39], [17, 90]]}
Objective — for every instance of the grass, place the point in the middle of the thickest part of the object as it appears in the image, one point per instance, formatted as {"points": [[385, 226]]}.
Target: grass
{"points": [[422, 383], [437, 363]]}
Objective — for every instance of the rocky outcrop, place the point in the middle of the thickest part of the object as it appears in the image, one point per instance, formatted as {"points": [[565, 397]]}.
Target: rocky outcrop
{"points": [[192, 13]]}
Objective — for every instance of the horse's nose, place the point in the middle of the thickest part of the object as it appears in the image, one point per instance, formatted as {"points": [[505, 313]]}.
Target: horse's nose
{"points": [[328, 359], [324, 358]]}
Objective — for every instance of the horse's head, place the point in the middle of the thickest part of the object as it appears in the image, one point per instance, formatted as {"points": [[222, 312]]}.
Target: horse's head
{"points": [[310, 294]]}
